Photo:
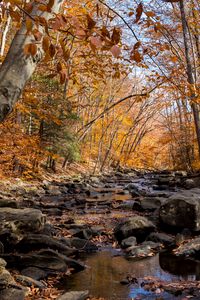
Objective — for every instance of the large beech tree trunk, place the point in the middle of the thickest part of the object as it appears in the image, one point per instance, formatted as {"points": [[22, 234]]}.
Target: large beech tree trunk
{"points": [[17, 67]]}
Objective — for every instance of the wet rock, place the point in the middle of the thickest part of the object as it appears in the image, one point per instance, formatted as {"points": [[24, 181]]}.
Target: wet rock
{"points": [[181, 212], [80, 244], [34, 273], [125, 205], [137, 226], [81, 295], [3, 263], [146, 249], [16, 293], [94, 179], [52, 211], [28, 281], [163, 238], [85, 233], [6, 278], [189, 183], [71, 263], [148, 203], [39, 241], [8, 286], [133, 189], [45, 260], [165, 180], [53, 190], [8, 203], [129, 242], [48, 229], [189, 248], [181, 173]]}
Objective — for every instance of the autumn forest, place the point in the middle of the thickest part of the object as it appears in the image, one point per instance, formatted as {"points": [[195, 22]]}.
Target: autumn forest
{"points": [[99, 149], [101, 83]]}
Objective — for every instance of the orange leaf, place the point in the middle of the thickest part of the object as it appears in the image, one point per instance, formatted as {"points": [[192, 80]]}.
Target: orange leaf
{"points": [[90, 22], [66, 54], [63, 76], [115, 51], [136, 56], [42, 7], [37, 35], [105, 32], [137, 45], [59, 67], [115, 36], [150, 14], [30, 49], [52, 50], [45, 43], [139, 12], [96, 41], [81, 33]]}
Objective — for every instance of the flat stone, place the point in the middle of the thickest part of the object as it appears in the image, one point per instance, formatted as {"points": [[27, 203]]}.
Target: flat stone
{"points": [[82, 295], [34, 273], [80, 244], [28, 281], [41, 241], [160, 237], [130, 241], [144, 250], [8, 203], [71, 263], [47, 260]]}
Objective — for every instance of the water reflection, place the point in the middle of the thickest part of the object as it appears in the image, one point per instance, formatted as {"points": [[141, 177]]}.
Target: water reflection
{"points": [[186, 269], [105, 271]]}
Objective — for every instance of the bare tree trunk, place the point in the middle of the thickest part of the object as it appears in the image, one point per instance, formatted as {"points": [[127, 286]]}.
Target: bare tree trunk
{"points": [[17, 67], [190, 74], [4, 34]]}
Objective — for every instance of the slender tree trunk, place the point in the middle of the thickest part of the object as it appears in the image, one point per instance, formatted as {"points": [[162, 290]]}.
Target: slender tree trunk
{"points": [[190, 75], [4, 34]]}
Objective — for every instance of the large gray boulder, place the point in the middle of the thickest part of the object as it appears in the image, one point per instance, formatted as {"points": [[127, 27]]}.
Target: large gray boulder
{"points": [[181, 212], [137, 226], [21, 220]]}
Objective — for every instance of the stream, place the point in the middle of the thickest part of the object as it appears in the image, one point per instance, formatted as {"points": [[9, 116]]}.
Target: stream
{"points": [[105, 271], [106, 268], [119, 236]]}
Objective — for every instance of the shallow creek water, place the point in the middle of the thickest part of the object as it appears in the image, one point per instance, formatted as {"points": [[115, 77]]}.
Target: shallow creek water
{"points": [[106, 268]]}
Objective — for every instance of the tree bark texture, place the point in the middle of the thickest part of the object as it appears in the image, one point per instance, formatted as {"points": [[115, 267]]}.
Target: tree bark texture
{"points": [[18, 67]]}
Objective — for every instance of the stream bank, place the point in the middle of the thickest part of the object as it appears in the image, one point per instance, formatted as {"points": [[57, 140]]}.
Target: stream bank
{"points": [[118, 236]]}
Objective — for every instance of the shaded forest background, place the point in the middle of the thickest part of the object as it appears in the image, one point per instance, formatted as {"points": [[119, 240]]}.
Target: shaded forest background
{"points": [[118, 86]]}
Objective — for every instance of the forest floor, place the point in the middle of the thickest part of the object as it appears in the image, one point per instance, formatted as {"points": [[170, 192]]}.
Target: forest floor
{"points": [[121, 235]]}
